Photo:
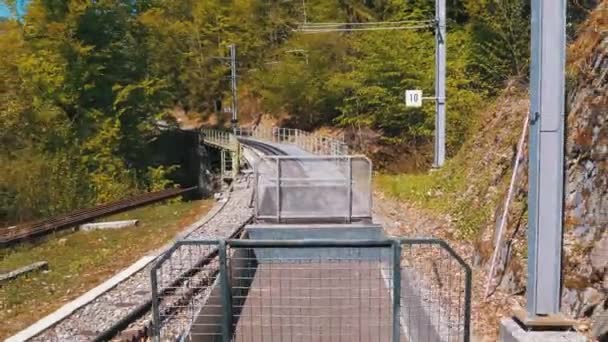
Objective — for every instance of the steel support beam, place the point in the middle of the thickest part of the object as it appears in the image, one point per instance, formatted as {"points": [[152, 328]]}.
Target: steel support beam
{"points": [[440, 77], [223, 163], [546, 169]]}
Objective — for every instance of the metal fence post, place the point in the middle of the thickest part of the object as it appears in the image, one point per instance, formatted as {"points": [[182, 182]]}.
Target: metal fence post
{"points": [[467, 303], [278, 190], [155, 303], [397, 290], [256, 180], [350, 189], [319, 145], [226, 295]]}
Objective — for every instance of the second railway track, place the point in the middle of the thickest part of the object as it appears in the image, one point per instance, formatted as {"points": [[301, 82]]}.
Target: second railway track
{"points": [[31, 230], [123, 312]]}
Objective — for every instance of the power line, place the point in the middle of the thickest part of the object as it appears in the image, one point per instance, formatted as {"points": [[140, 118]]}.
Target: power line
{"points": [[369, 23], [365, 26], [414, 27], [345, 28]]}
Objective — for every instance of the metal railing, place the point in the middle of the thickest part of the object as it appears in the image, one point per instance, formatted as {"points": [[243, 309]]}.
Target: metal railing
{"points": [[310, 142], [217, 138], [325, 188], [372, 290]]}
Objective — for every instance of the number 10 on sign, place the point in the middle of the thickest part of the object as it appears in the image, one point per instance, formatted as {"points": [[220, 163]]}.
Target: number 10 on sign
{"points": [[413, 98]]}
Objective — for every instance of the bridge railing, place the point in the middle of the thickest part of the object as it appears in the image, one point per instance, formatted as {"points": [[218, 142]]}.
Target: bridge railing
{"points": [[216, 137], [345, 290], [310, 142]]}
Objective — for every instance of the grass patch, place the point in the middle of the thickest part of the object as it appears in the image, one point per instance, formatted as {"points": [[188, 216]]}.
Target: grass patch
{"points": [[471, 185], [433, 190], [82, 260], [448, 191]]}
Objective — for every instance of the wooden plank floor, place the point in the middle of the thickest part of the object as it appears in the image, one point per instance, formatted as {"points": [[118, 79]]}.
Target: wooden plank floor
{"points": [[341, 301]]}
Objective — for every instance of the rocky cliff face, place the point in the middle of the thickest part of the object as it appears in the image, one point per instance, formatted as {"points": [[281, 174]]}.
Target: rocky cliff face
{"points": [[586, 212], [475, 184], [585, 264]]}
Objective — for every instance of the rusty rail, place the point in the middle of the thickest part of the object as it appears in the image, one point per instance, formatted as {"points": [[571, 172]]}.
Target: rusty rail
{"points": [[34, 229]]}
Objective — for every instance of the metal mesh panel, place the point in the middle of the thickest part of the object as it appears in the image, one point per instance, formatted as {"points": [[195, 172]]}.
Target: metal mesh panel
{"points": [[312, 294], [312, 290], [319, 188], [182, 281], [435, 292]]}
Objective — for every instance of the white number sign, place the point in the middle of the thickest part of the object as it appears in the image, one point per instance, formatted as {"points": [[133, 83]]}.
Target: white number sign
{"points": [[413, 98]]}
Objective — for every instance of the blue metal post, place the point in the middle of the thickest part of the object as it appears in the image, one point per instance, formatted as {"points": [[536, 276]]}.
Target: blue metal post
{"points": [[545, 197]]}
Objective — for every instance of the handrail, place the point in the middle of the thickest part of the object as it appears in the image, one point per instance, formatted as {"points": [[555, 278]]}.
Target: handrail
{"points": [[310, 142]]}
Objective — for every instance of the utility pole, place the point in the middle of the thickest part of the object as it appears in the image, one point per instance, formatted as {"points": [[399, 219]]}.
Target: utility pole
{"points": [[440, 77], [439, 23], [546, 170], [234, 120]]}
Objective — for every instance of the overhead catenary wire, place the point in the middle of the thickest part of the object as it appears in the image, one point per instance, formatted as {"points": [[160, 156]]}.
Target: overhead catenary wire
{"points": [[369, 23], [325, 27], [346, 29], [438, 23]]}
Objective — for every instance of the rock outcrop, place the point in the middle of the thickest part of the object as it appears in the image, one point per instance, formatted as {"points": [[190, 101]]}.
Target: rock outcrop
{"points": [[586, 193], [585, 262], [476, 182]]}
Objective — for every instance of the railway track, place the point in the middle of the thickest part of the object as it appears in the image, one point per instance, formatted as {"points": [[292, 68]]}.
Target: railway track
{"points": [[137, 325], [124, 312], [35, 229], [263, 147]]}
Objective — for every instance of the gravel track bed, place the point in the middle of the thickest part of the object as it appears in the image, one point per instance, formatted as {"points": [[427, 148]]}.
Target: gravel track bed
{"points": [[234, 214], [100, 314]]}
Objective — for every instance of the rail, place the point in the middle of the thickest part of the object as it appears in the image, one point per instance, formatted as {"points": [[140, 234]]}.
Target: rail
{"points": [[26, 231], [344, 290]]}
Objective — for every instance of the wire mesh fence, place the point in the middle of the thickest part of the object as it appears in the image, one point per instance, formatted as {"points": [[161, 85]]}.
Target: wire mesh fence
{"points": [[324, 188], [311, 294], [316, 290], [435, 292], [181, 281]]}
